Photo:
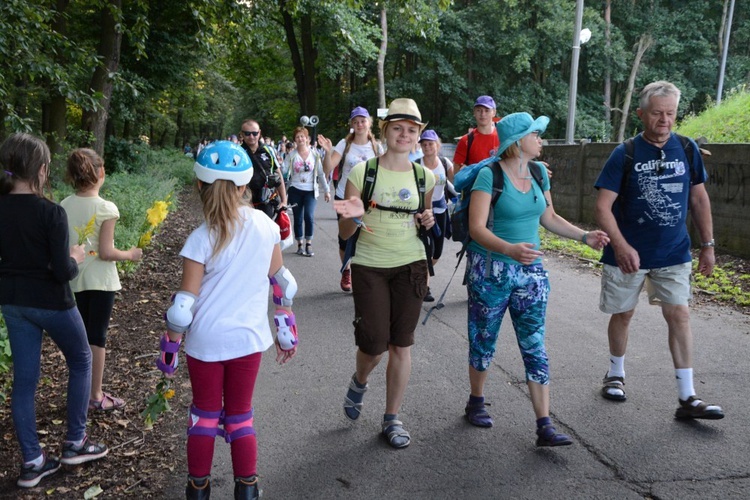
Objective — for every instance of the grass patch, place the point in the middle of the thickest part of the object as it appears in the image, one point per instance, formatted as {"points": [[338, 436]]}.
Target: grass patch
{"points": [[551, 241], [729, 122]]}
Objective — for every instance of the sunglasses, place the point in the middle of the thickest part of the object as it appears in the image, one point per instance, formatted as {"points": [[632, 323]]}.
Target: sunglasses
{"points": [[248, 133]]}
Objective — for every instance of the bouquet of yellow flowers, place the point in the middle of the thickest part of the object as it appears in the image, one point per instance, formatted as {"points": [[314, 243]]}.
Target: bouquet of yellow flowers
{"points": [[84, 232], [154, 217]]}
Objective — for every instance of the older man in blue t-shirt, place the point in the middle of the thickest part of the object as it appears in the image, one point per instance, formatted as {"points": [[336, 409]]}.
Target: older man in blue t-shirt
{"points": [[649, 240]]}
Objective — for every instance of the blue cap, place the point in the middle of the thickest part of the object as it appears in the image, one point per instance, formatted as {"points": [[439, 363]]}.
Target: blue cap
{"points": [[359, 111], [485, 101]]}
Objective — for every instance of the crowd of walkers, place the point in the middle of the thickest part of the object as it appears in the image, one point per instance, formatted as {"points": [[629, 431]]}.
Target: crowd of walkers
{"points": [[393, 218]]}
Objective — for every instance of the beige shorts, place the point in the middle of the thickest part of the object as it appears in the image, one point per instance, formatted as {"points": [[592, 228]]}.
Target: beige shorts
{"points": [[669, 285]]}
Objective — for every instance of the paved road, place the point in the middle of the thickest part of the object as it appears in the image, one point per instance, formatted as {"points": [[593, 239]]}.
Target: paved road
{"points": [[308, 449]]}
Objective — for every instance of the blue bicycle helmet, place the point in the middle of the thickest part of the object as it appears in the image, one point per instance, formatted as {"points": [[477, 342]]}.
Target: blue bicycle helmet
{"points": [[223, 160]]}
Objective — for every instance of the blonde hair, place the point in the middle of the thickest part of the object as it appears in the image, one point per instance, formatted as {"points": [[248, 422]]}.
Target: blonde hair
{"points": [[370, 136], [221, 208], [83, 168], [513, 151], [22, 157]]}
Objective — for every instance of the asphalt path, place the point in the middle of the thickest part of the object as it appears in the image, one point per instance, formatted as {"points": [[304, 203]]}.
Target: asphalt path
{"points": [[635, 449]]}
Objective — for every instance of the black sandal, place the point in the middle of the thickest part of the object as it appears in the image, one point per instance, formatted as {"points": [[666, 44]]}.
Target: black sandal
{"points": [[613, 389]]}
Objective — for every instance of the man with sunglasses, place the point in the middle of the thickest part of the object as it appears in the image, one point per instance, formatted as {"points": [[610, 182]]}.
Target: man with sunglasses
{"points": [[643, 208], [267, 184]]}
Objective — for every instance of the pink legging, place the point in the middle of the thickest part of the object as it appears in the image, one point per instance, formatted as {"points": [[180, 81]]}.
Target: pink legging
{"points": [[234, 379]]}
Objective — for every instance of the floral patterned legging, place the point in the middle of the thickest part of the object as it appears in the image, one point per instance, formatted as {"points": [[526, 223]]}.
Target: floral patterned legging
{"points": [[522, 289]]}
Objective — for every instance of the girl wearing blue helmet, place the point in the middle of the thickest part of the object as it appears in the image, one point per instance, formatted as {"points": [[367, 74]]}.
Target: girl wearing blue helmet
{"points": [[222, 307]]}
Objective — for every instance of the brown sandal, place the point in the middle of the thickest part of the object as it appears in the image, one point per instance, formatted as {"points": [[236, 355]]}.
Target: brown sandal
{"points": [[107, 403]]}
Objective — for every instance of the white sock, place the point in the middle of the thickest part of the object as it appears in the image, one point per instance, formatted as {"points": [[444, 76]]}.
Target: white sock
{"points": [[684, 378], [37, 462], [616, 366]]}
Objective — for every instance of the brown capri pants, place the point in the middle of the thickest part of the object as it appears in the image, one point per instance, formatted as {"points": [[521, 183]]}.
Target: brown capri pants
{"points": [[387, 305]]}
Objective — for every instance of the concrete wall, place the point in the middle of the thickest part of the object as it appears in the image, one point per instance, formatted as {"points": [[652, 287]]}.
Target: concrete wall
{"points": [[576, 167]]}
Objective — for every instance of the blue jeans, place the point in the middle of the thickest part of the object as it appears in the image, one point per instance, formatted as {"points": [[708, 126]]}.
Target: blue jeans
{"points": [[65, 328], [304, 211]]}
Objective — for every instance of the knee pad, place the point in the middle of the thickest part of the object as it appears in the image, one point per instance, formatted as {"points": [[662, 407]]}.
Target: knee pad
{"points": [[238, 426], [204, 423], [284, 287]]}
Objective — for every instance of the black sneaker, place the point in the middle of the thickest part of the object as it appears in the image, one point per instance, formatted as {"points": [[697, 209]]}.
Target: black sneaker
{"points": [[31, 474], [87, 452], [428, 297]]}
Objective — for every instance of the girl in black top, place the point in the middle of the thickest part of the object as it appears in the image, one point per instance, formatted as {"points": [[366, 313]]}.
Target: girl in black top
{"points": [[36, 264]]}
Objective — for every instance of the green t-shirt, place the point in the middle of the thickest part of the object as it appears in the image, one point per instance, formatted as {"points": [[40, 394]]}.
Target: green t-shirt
{"points": [[392, 240]]}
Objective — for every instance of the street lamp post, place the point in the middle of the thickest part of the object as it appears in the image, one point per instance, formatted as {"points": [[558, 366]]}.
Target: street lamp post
{"points": [[724, 54], [579, 37]]}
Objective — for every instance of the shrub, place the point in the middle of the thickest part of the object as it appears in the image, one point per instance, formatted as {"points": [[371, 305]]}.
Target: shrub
{"points": [[121, 155]]}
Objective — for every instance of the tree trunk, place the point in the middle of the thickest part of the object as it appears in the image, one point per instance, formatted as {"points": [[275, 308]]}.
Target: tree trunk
{"points": [[309, 55], [95, 121], [381, 57], [643, 44], [291, 40], [179, 136], [54, 126]]}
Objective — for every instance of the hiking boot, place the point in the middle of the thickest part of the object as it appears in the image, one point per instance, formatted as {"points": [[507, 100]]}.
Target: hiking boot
{"points": [[87, 452], [32, 474], [695, 408], [246, 488], [428, 297], [346, 280], [198, 488]]}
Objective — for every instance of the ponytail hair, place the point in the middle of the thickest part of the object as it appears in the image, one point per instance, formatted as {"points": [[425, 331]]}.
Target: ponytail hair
{"points": [[83, 168], [22, 157]]}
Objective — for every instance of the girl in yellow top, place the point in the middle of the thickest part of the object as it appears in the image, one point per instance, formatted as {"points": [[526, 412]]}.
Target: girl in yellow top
{"points": [[389, 269], [97, 279]]}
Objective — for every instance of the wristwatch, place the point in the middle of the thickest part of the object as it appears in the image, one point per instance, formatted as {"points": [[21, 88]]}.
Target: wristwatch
{"points": [[710, 243]]}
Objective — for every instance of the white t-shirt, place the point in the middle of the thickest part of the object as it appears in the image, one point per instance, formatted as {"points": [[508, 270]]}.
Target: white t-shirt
{"points": [[441, 180], [230, 319], [357, 154]]}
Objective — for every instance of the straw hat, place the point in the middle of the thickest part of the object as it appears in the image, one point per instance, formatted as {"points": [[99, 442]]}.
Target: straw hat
{"points": [[404, 109]]}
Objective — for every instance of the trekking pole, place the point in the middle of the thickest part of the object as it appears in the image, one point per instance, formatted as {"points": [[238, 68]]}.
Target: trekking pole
{"points": [[439, 305]]}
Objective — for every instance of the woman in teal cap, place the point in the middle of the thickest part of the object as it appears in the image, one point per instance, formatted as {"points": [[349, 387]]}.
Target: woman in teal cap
{"points": [[504, 267]]}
